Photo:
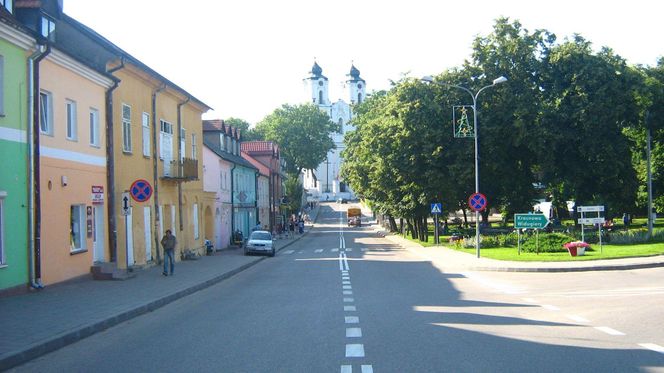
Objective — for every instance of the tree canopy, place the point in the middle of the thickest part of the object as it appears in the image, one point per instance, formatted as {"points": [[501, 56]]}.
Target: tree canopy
{"points": [[303, 134]]}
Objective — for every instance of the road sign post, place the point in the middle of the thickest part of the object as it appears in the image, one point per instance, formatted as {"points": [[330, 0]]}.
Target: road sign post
{"points": [[126, 205], [529, 221], [599, 220], [436, 209]]}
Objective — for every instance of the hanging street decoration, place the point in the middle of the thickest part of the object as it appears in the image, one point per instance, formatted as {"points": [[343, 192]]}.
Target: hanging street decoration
{"points": [[462, 127]]}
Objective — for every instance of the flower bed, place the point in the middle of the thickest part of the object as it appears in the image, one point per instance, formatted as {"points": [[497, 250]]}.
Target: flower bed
{"points": [[576, 248]]}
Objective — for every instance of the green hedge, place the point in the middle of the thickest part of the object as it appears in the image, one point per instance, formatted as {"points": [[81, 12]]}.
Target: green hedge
{"points": [[548, 243]]}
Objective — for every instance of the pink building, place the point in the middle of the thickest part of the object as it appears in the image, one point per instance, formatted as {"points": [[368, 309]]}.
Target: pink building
{"points": [[217, 179]]}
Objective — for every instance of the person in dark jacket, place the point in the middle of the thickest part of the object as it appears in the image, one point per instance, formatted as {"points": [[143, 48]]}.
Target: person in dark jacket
{"points": [[168, 242]]}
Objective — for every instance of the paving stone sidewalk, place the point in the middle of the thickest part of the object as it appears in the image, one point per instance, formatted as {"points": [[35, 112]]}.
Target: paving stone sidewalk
{"points": [[40, 322]]}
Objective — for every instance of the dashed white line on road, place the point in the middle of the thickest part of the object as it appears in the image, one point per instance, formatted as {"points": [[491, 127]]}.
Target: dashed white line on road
{"points": [[608, 330], [349, 300], [318, 250], [353, 332], [335, 250], [550, 307], [346, 278], [652, 346], [345, 282], [355, 350], [347, 249], [578, 319], [367, 369], [348, 292], [351, 320], [289, 252], [350, 308], [347, 287]]}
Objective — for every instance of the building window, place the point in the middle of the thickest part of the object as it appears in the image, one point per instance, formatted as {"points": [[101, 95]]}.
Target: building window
{"points": [[126, 128], [2, 85], [46, 113], [196, 230], [222, 141], [166, 140], [77, 228], [359, 98], [2, 227], [94, 127], [183, 142], [341, 125], [194, 146], [48, 27], [8, 4], [320, 97], [146, 134], [70, 108]]}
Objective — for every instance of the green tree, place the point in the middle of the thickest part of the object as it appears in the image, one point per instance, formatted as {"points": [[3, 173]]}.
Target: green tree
{"points": [[293, 191], [248, 134], [303, 134]]}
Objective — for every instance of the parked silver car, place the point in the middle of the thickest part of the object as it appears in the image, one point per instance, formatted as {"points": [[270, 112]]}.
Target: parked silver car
{"points": [[260, 242]]}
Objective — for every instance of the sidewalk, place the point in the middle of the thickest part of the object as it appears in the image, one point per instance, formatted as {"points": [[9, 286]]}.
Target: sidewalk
{"points": [[37, 323], [459, 260]]}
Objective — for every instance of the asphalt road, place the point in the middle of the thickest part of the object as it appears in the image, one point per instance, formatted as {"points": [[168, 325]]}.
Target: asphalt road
{"points": [[346, 300]]}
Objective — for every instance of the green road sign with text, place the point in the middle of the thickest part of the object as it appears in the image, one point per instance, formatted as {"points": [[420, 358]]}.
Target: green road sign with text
{"points": [[530, 221]]}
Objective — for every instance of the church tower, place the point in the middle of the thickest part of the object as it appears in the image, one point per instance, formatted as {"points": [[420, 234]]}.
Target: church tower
{"points": [[319, 86], [356, 86]]}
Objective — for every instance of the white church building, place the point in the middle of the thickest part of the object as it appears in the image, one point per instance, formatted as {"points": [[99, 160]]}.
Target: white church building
{"points": [[324, 183]]}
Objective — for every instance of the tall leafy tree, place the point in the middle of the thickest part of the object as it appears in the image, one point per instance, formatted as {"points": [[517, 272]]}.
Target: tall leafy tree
{"points": [[588, 101], [303, 133]]}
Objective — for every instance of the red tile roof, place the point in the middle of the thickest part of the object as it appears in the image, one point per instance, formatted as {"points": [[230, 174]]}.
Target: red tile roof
{"points": [[263, 147]]}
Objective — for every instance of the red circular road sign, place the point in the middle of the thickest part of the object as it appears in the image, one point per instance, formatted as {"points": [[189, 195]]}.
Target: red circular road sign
{"points": [[477, 202], [140, 190]]}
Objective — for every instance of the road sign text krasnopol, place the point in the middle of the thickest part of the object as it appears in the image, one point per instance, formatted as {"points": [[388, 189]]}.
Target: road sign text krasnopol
{"points": [[530, 221]]}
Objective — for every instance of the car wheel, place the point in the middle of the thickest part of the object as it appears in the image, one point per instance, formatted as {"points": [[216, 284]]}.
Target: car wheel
{"points": [[272, 253]]}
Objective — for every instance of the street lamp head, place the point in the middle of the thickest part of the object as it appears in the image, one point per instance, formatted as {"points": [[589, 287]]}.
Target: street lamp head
{"points": [[500, 79], [427, 79]]}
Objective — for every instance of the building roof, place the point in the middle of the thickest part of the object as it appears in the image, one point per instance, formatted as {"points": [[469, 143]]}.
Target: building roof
{"points": [[218, 125], [228, 156], [262, 169], [260, 147]]}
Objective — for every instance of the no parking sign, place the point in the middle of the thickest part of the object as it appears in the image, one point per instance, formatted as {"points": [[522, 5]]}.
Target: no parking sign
{"points": [[477, 202], [140, 190]]}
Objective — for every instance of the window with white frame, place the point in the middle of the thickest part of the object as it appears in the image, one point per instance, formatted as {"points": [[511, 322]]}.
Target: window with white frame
{"points": [[222, 141], [194, 146], [77, 227], [46, 113], [94, 127], [146, 134], [8, 4], [48, 27], [183, 142], [3, 195], [2, 85], [196, 230], [166, 140], [126, 128], [70, 108]]}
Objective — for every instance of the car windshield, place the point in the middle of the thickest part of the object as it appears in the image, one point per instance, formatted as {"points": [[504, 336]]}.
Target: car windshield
{"points": [[264, 236]]}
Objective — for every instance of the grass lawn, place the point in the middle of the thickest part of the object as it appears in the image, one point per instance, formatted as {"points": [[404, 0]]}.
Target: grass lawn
{"points": [[511, 253]]}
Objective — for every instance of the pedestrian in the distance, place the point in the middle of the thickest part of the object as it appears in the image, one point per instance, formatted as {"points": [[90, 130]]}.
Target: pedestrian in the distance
{"points": [[300, 226], [291, 228], [168, 242]]}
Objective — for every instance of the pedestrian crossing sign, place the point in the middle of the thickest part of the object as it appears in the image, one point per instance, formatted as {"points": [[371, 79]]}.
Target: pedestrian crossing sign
{"points": [[436, 208]]}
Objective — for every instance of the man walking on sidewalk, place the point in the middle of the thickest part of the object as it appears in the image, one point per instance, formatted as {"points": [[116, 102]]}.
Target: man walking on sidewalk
{"points": [[168, 242]]}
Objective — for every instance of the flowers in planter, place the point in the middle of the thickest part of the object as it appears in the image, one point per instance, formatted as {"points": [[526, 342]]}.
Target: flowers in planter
{"points": [[576, 247]]}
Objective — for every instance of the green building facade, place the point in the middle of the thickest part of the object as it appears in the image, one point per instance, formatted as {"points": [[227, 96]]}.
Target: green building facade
{"points": [[15, 48]]}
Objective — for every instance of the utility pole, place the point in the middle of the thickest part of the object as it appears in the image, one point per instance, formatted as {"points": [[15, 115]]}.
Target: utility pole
{"points": [[650, 211]]}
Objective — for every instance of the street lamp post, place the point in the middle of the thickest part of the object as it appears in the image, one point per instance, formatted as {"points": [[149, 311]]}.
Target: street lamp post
{"points": [[496, 81]]}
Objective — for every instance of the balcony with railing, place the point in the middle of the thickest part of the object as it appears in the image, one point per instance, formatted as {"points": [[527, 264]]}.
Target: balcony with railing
{"points": [[185, 169]]}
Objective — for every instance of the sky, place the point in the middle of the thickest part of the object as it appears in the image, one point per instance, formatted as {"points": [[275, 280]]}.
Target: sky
{"points": [[245, 58]]}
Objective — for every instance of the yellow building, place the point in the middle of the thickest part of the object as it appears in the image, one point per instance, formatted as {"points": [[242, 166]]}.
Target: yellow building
{"points": [[157, 138]]}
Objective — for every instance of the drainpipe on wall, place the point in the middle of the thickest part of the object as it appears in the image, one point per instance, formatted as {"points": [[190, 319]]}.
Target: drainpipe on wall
{"points": [[155, 173], [232, 203], [256, 196], [34, 187], [110, 166], [182, 156]]}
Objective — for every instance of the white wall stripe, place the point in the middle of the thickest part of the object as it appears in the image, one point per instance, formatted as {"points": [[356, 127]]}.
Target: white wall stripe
{"points": [[13, 135], [68, 155]]}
